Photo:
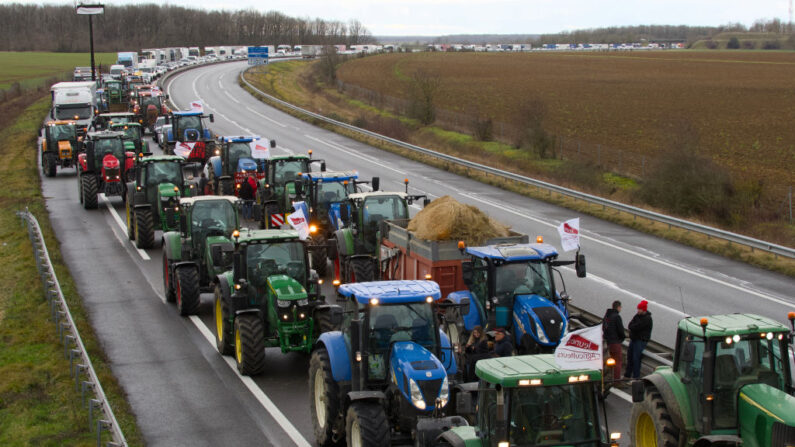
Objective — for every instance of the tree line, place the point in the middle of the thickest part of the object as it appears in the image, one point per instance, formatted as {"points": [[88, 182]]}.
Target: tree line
{"points": [[57, 28]]}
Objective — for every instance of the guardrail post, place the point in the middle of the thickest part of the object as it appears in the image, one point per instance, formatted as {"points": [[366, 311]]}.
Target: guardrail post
{"points": [[102, 424], [93, 403], [84, 386]]}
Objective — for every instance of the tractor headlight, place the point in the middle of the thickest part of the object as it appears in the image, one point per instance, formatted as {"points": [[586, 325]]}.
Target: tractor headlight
{"points": [[416, 395], [444, 392], [282, 303], [542, 337]]}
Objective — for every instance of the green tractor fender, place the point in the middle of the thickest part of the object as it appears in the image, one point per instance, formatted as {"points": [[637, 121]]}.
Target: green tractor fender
{"points": [[465, 436], [765, 415], [345, 245], [172, 245], [674, 395]]}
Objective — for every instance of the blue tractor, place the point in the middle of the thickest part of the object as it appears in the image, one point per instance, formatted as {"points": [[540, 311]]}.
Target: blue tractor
{"points": [[233, 161], [188, 136], [384, 376], [512, 286]]}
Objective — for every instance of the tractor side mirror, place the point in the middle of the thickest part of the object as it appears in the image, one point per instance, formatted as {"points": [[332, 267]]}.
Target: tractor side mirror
{"points": [[335, 314], [237, 267], [256, 212], [579, 265], [212, 118], [463, 404], [638, 391], [183, 225], [273, 144], [344, 212], [168, 97], [376, 182], [425, 202], [467, 272], [463, 306], [217, 254], [323, 166], [299, 188], [688, 352]]}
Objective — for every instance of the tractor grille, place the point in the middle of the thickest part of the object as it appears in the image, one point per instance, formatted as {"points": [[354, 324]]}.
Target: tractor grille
{"points": [[551, 321], [430, 391]]}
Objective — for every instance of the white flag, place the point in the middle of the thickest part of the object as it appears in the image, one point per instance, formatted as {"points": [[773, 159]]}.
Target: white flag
{"points": [[183, 149], [260, 150], [570, 234], [581, 349], [197, 106], [298, 221]]}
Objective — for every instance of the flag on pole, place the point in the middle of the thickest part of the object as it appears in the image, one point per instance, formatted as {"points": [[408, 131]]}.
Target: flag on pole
{"points": [[298, 221], [183, 149], [260, 150], [581, 349], [570, 234], [197, 106]]}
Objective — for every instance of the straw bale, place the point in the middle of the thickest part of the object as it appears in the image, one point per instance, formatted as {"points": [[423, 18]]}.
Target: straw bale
{"points": [[447, 219]]}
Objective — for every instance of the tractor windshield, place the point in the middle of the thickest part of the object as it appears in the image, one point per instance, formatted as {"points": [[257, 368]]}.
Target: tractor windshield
{"points": [[398, 322], [63, 132], [150, 100], [236, 152], [164, 172], [105, 146], [81, 112], [522, 278], [286, 170], [208, 215], [130, 132], [278, 258], [554, 415], [376, 209], [328, 192], [189, 122]]}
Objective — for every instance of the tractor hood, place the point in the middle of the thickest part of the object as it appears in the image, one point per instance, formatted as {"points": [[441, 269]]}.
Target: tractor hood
{"points": [[246, 164], [165, 190], [536, 315], [760, 401], [286, 288], [411, 361]]}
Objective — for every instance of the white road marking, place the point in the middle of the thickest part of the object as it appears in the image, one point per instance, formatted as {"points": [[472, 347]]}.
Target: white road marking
{"points": [[260, 395], [122, 225], [266, 117], [621, 394], [233, 99], [349, 152]]}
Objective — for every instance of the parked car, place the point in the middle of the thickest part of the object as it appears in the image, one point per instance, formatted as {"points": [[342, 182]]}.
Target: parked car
{"points": [[162, 134]]}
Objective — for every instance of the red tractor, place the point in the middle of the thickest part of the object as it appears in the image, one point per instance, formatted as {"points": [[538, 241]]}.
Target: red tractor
{"points": [[102, 167], [147, 105]]}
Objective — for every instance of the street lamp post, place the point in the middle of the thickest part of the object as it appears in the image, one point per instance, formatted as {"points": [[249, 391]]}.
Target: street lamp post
{"points": [[91, 11]]}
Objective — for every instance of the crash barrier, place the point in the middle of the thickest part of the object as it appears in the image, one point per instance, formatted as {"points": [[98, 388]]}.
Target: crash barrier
{"points": [[100, 414], [774, 249]]}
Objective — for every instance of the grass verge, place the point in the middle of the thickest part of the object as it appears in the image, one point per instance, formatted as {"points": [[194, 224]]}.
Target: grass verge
{"points": [[39, 404], [272, 82], [31, 68]]}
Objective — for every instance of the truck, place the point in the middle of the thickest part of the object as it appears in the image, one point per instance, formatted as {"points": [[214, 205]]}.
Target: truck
{"points": [[194, 52], [117, 71], [311, 51], [129, 59], [730, 384], [74, 101]]}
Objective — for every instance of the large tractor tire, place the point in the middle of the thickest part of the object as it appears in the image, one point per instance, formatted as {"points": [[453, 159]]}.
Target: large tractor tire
{"points": [[650, 423], [144, 228], [366, 425], [324, 399], [49, 164], [318, 256], [89, 191], [323, 321], [223, 328], [128, 206], [168, 280], [226, 187], [187, 290], [249, 344], [363, 270]]}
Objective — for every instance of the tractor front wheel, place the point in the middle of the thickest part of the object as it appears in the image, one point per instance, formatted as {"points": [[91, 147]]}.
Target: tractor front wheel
{"points": [[144, 228], [168, 281], [323, 321], [130, 220], [318, 256], [89, 192], [49, 164], [187, 290], [650, 424], [366, 425], [249, 344], [223, 329], [363, 270], [324, 398]]}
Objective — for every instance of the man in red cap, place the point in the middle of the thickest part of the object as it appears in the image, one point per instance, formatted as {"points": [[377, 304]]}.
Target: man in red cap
{"points": [[639, 334]]}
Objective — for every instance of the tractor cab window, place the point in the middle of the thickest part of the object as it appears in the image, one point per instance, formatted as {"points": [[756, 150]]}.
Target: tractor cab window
{"points": [[236, 152], [164, 172], [105, 146], [691, 370], [393, 323], [487, 416], [480, 287], [279, 258], [522, 278], [62, 132], [72, 112], [376, 209], [131, 132], [286, 171], [554, 415], [189, 122], [150, 101], [212, 217], [328, 192]]}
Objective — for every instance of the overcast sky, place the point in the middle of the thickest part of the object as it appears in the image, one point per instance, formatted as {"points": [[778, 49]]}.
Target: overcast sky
{"points": [[437, 17]]}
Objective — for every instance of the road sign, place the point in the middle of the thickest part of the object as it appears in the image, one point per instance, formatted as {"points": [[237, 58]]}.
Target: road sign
{"points": [[257, 55]]}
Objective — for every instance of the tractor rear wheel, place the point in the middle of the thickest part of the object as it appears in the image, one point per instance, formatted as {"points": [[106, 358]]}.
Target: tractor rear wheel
{"points": [[226, 187], [650, 423], [49, 164], [144, 228], [363, 269], [89, 192], [168, 281], [324, 398], [223, 329], [187, 290], [249, 344], [366, 425], [318, 256], [130, 219]]}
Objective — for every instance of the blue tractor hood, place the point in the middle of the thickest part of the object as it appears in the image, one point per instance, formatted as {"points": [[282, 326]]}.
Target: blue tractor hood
{"points": [[538, 317], [246, 164], [409, 360]]}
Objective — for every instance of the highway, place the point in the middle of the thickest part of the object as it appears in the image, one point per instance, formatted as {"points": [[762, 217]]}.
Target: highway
{"points": [[184, 393]]}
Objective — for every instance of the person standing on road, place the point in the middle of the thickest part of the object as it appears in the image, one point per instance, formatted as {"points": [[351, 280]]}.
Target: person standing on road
{"points": [[247, 194], [639, 335], [502, 345], [613, 329]]}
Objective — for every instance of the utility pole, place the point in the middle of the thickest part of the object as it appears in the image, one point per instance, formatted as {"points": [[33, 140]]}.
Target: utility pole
{"points": [[90, 11]]}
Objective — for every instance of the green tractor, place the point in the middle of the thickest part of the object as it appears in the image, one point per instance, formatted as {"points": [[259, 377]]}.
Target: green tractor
{"points": [[153, 197], [730, 384], [103, 121], [530, 401], [115, 92], [58, 146], [200, 250], [269, 298], [133, 136], [277, 191]]}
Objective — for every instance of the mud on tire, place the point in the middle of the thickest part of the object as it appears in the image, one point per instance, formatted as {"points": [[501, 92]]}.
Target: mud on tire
{"points": [[652, 414]]}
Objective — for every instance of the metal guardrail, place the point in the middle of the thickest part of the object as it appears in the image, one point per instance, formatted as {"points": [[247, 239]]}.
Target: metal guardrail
{"points": [[99, 409], [634, 211]]}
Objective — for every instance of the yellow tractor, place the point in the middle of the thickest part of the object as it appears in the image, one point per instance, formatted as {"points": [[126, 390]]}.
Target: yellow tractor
{"points": [[59, 146]]}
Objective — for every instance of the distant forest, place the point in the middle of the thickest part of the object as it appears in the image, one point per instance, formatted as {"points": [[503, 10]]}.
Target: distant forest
{"points": [[133, 27]]}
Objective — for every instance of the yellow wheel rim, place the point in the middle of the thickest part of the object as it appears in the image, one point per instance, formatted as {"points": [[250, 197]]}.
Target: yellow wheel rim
{"points": [[219, 321], [238, 347], [645, 433]]}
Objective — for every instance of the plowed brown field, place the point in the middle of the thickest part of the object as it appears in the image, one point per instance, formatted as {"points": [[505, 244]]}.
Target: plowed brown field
{"points": [[741, 103]]}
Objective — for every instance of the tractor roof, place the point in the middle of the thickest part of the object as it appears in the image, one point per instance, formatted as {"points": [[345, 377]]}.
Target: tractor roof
{"points": [[330, 176], [256, 236], [364, 195], [508, 371], [186, 113], [239, 139], [514, 252], [392, 292], [103, 134], [131, 123], [130, 114], [60, 123], [156, 158], [731, 324], [290, 157], [194, 200]]}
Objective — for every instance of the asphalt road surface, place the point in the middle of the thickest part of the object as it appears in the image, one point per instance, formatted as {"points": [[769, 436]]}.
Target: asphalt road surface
{"points": [[184, 393]]}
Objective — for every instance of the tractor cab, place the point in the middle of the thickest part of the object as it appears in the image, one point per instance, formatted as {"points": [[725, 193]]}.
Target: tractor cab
{"points": [[133, 136], [103, 121], [114, 91], [321, 190], [102, 167], [147, 105], [363, 212], [236, 158], [188, 136], [277, 191], [531, 401]]}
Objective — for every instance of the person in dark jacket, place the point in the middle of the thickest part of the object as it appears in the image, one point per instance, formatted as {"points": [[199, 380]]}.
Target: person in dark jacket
{"points": [[477, 348], [502, 345], [613, 329], [639, 335], [248, 191]]}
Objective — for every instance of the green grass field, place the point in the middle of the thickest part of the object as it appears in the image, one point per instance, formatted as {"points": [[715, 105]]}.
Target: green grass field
{"points": [[32, 68]]}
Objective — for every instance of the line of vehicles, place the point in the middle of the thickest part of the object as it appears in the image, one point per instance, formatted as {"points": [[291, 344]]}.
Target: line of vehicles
{"points": [[387, 357]]}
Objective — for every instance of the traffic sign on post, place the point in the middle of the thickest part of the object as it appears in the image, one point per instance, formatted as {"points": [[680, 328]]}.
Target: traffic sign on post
{"points": [[257, 55]]}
